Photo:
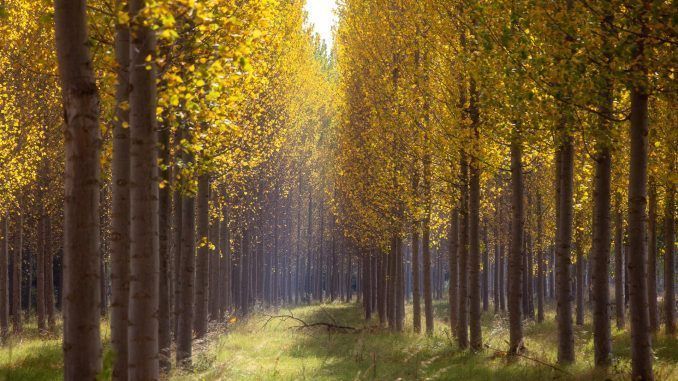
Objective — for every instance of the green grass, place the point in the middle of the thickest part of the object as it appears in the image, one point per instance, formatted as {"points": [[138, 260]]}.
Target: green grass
{"points": [[257, 350], [29, 356], [253, 349]]}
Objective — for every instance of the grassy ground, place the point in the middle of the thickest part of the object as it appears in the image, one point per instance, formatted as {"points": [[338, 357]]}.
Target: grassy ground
{"points": [[259, 349]]}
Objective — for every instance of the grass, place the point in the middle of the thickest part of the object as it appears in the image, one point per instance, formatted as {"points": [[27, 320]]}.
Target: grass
{"points": [[30, 356], [257, 350], [254, 349]]}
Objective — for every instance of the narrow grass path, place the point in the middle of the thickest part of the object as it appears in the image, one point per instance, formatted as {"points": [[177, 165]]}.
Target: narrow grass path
{"points": [[263, 349]]}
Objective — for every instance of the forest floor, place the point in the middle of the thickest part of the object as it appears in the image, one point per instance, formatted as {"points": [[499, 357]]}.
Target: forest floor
{"points": [[265, 348]]}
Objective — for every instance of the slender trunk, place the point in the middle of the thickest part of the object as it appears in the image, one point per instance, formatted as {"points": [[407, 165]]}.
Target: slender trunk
{"points": [[40, 270], [474, 232], [652, 259], [366, 286], [600, 261], [416, 293], [186, 281], [486, 270], [49, 276], [515, 258], [453, 289], [669, 260], [564, 191], [164, 256], [82, 340], [17, 262], [580, 282], [462, 318], [619, 266], [641, 340], [214, 265], [177, 223], [4, 279], [540, 261], [142, 334], [202, 261], [497, 261]]}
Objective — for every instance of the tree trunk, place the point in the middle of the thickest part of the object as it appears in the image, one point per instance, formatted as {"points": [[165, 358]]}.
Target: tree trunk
{"points": [[641, 340], [564, 191], [177, 221], [142, 360], [82, 341], [515, 259], [215, 288], [652, 259], [49, 276], [600, 261], [120, 207], [202, 262], [17, 262], [186, 282], [580, 282], [453, 289], [619, 266], [416, 293], [164, 255], [462, 318], [426, 246], [474, 231], [486, 269], [40, 270], [4, 282], [541, 286], [669, 260]]}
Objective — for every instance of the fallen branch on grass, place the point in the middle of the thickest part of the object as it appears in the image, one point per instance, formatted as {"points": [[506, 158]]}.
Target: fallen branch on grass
{"points": [[530, 358], [330, 327]]}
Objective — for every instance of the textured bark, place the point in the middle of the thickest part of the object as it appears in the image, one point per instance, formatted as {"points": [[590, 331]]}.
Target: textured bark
{"points": [[600, 261], [453, 289], [476, 340], [120, 208], [17, 262], [215, 288], [142, 334], [580, 283], [82, 341], [641, 340], [367, 286], [164, 255], [497, 284], [652, 259], [486, 269], [416, 292], [515, 256], [186, 282], [226, 261], [669, 260], [564, 192], [541, 286], [462, 318], [4, 279], [49, 276], [177, 222], [40, 270], [202, 261], [619, 267]]}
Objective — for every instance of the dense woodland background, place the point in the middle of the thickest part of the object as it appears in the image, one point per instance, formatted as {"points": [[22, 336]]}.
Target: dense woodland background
{"points": [[174, 166]]}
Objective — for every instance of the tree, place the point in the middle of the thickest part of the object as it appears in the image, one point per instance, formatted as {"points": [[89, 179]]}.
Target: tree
{"points": [[82, 341]]}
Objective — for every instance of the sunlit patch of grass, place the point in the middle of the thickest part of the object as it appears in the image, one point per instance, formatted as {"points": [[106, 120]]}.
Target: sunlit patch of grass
{"points": [[259, 349], [32, 356]]}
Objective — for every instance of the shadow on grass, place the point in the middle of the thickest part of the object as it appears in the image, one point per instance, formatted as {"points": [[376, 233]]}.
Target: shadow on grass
{"points": [[378, 354]]}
